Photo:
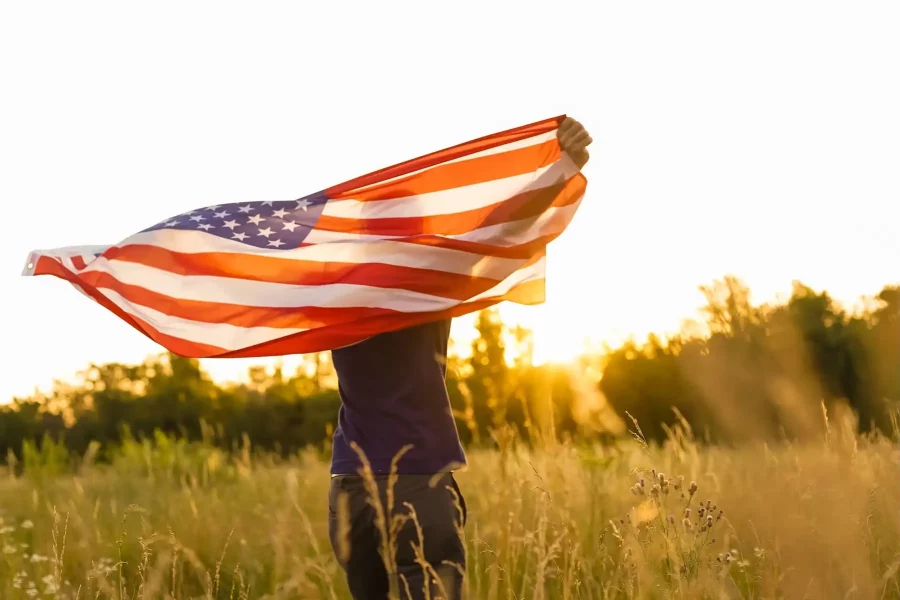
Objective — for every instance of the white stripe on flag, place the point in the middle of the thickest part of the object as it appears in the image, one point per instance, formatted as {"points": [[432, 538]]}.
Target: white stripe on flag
{"points": [[389, 252], [223, 335], [454, 200]]}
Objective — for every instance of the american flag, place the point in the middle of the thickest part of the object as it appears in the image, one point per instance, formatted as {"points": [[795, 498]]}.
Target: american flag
{"points": [[435, 237]]}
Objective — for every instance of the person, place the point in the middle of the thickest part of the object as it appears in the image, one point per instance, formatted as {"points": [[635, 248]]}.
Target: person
{"points": [[386, 410]]}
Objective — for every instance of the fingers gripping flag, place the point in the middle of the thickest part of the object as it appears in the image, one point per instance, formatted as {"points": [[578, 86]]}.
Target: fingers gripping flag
{"points": [[435, 237]]}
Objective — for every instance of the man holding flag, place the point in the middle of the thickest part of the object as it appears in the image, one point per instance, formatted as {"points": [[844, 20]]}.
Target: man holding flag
{"points": [[372, 269], [394, 397]]}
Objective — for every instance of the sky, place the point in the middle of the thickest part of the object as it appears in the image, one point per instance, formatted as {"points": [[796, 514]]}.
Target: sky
{"points": [[757, 139]]}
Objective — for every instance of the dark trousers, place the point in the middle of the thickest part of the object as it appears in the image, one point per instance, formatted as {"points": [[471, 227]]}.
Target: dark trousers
{"points": [[357, 543]]}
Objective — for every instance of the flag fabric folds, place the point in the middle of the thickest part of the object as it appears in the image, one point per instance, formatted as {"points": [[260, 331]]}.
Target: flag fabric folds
{"points": [[435, 237]]}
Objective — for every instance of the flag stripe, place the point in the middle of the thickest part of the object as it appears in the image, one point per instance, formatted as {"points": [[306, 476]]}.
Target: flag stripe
{"points": [[316, 340], [534, 140], [449, 201], [47, 265], [301, 272], [525, 205], [389, 252], [268, 294], [347, 189], [508, 165], [220, 335], [516, 240], [301, 317]]}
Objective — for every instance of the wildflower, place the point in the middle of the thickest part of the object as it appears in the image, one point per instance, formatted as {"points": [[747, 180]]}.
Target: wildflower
{"points": [[709, 521], [672, 519], [27, 524], [7, 529], [662, 478], [31, 592], [735, 553], [759, 552], [679, 482], [728, 559], [7, 549], [721, 512], [655, 490], [693, 488], [688, 526], [701, 511], [687, 513]]}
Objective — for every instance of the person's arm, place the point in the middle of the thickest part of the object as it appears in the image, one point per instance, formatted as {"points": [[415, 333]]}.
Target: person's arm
{"points": [[574, 140]]}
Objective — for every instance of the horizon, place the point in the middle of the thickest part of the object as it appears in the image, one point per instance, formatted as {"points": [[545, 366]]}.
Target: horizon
{"points": [[236, 371]]}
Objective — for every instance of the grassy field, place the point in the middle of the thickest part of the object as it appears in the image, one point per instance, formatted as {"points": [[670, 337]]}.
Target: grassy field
{"points": [[174, 520]]}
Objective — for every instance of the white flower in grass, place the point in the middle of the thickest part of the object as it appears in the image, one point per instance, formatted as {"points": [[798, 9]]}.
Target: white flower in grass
{"points": [[7, 549], [26, 524], [31, 592]]}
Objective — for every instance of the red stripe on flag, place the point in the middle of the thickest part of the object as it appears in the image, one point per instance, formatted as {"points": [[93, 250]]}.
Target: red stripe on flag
{"points": [[300, 272], [302, 317], [469, 172], [523, 206], [317, 340], [49, 266], [454, 152]]}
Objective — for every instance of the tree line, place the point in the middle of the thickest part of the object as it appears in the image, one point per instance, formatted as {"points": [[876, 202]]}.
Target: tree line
{"points": [[743, 372]]}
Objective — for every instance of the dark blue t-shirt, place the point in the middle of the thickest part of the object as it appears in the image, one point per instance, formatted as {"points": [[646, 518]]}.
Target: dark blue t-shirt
{"points": [[394, 393]]}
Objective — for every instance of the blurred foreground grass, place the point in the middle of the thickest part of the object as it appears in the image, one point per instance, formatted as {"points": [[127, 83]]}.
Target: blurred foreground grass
{"points": [[169, 519]]}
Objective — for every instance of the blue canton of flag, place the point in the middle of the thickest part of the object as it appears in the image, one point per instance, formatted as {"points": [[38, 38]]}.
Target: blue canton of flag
{"points": [[281, 224]]}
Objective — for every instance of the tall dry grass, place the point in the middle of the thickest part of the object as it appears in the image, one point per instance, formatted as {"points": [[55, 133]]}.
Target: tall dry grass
{"points": [[819, 520]]}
